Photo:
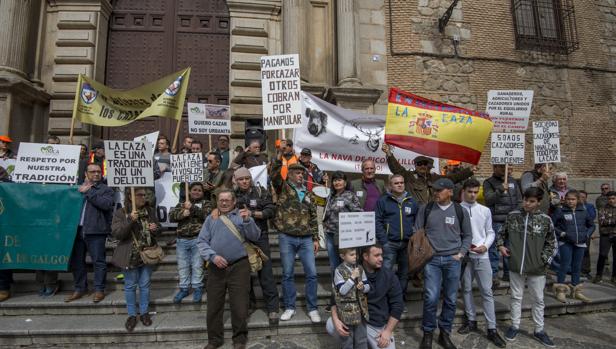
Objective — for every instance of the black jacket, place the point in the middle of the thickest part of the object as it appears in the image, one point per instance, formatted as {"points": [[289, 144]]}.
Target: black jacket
{"points": [[500, 202], [257, 199], [98, 203], [384, 298]]}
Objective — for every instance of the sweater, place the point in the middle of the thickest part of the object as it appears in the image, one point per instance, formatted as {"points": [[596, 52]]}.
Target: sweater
{"points": [[446, 234], [481, 224], [384, 298]]}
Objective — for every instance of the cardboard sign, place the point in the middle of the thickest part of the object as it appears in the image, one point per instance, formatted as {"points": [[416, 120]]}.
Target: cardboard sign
{"points": [[546, 142], [210, 119], [47, 163], [510, 109], [507, 148], [356, 229], [150, 138], [187, 167], [281, 92], [9, 166], [129, 164]]}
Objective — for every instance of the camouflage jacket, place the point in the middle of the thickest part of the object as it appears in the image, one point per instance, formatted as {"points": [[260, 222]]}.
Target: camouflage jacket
{"points": [[532, 242], [353, 306], [292, 216], [607, 220], [345, 202], [189, 227]]}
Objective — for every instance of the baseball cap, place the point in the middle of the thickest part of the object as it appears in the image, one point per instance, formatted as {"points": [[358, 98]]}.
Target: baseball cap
{"points": [[442, 183]]}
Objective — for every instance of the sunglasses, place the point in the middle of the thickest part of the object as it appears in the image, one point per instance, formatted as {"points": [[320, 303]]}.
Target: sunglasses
{"points": [[605, 188], [422, 163]]}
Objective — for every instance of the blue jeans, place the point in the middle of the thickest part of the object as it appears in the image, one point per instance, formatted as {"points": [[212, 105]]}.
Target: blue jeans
{"points": [[570, 259], [394, 252], [302, 246], [95, 246], [332, 253], [190, 264], [495, 255], [441, 272], [134, 277]]}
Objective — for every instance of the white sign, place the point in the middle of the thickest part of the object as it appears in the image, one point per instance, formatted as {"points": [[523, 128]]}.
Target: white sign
{"points": [[187, 167], [150, 138], [47, 163], [356, 229], [507, 148], [546, 141], [281, 92], [340, 139], [510, 109], [210, 119], [259, 175], [129, 164], [9, 166]]}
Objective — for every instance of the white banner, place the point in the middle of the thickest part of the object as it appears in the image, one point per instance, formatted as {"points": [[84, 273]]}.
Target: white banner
{"points": [[187, 167], [356, 229], [340, 139], [259, 175], [546, 142], [509, 110], [212, 119], [281, 92], [47, 163], [129, 164], [150, 138], [507, 148], [9, 166]]}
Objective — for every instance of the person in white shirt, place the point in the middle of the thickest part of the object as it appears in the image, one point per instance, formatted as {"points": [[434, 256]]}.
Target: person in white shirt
{"points": [[478, 264]]}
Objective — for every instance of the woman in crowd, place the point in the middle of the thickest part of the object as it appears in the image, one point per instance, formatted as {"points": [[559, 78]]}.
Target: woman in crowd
{"points": [[190, 216], [135, 230], [573, 226]]}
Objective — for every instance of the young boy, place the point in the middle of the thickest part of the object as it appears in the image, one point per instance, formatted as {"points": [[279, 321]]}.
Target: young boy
{"points": [[607, 239], [532, 246], [350, 288]]}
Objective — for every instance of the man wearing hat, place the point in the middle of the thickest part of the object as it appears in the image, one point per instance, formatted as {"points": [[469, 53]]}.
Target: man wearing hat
{"points": [[448, 228], [419, 181], [296, 221], [5, 151], [314, 175]]}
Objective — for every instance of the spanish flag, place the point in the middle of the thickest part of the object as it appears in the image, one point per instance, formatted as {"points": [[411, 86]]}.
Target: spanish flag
{"points": [[435, 129]]}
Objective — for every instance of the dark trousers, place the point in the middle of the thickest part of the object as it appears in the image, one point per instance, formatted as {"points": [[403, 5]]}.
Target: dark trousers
{"points": [[266, 278], [606, 242], [586, 259], [233, 278], [6, 278], [95, 246], [47, 278]]}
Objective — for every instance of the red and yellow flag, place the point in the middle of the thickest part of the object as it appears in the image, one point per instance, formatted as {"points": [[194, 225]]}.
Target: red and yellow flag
{"points": [[435, 129]]}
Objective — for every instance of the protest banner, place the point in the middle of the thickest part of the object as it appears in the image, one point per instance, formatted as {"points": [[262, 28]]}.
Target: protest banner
{"points": [[435, 129], [47, 163], [340, 139], [507, 148], [212, 119], [546, 142], [187, 168], [509, 109], [281, 92], [129, 164], [38, 224], [150, 138], [259, 175], [9, 166], [356, 229]]}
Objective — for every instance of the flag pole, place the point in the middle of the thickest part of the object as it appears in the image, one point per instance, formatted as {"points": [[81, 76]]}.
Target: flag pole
{"points": [[175, 137], [506, 177]]}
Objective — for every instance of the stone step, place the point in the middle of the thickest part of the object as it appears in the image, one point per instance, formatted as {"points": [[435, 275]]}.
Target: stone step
{"points": [[189, 326]]}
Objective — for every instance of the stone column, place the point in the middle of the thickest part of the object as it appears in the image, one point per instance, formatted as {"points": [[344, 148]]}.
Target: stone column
{"points": [[15, 24], [292, 33], [347, 47]]}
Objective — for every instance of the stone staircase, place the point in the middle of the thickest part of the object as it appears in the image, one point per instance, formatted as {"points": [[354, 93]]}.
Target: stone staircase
{"points": [[32, 321]]}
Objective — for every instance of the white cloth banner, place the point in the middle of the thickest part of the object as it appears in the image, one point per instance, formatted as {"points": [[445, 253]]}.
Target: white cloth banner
{"points": [[150, 138], [340, 139], [47, 163], [259, 175]]}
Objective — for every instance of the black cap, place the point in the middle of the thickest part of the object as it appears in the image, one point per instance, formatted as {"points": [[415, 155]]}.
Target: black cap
{"points": [[422, 158], [306, 151], [98, 145], [442, 183]]}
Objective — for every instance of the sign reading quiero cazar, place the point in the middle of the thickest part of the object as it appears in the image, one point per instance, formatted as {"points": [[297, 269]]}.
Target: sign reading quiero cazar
{"points": [[129, 164], [47, 163], [213, 119], [281, 92], [100, 105]]}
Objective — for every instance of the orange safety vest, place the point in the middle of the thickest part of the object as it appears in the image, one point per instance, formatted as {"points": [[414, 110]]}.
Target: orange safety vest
{"points": [[284, 170], [103, 166]]}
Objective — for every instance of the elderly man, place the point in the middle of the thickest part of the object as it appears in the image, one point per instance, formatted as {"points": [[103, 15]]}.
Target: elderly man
{"points": [[559, 189], [94, 226], [296, 221], [367, 188], [250, 157], [259, 201], [221, 244], [314, 175]]}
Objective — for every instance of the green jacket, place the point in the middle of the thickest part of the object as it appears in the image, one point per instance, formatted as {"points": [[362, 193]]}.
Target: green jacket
{"points": [[357, 186], [532, 242]]}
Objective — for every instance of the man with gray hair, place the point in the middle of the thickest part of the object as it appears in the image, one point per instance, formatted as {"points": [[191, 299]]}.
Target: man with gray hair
{"points": [[559, 189], [250, 157]]}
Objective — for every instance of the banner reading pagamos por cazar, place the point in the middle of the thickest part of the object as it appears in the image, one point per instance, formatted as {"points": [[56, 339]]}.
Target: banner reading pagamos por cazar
{"points": [[340, 139], [100, 105], [436, 129]]}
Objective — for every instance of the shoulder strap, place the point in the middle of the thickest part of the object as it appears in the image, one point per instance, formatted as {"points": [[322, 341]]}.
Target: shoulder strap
{"points": [[459, 213], [427, 210], [231, 227]]}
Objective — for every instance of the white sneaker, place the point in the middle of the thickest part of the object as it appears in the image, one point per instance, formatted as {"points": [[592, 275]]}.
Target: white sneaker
{"points": [[287, 315], [314, 316]]}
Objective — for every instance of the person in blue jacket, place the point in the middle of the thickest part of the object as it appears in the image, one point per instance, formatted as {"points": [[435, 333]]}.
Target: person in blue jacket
{"points": [[574, 226]]}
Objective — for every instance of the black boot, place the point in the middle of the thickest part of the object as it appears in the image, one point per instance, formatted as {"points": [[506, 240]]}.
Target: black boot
{"points": [[495, 338], [445, 341], [468, 327], [426, 342]]}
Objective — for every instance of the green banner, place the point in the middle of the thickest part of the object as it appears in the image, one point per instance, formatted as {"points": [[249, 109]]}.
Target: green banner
{"points": [[100, 105], [38, 223]]}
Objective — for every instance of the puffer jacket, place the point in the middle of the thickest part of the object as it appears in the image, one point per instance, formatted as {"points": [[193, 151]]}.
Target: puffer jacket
{"points": [[189, 227], [574, 226], [347, 201], [394, 219], [500, 202]]}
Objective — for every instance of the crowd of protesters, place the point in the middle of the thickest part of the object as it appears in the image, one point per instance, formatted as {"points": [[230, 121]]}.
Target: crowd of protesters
{"points": [[501, 230]]}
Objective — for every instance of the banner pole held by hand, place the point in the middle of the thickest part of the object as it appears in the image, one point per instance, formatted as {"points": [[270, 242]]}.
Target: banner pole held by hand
{"points": [[186, 189], [132, 198], [175, 137], [209, 140], [506, 177]]}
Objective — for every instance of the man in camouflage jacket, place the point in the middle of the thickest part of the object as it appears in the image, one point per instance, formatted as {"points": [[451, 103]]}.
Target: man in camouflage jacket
{"points": [[607, 236]]}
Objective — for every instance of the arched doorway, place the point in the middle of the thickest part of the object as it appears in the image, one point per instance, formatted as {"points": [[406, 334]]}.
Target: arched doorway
{"points": [[152, 38]]}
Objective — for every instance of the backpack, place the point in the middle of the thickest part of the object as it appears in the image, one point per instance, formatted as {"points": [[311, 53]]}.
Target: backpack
{"points": [[420, 250]]}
